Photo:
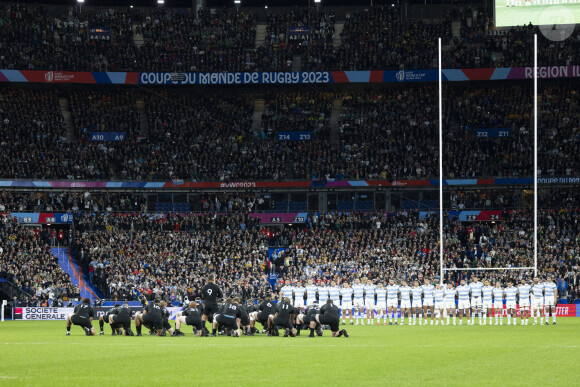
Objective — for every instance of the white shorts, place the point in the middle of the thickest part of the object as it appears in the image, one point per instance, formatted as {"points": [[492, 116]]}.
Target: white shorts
{"points": [[299, 303], [358, 303], [346, 305], [476, 302], [450, 305], [439, 305], [370, 304], [463, 304], [524, 303], [381, 305], [549, 301], [510, 304], [487, 304], [428, 302], [416, 304], [537, 303], [405, 304], [392, 303]]}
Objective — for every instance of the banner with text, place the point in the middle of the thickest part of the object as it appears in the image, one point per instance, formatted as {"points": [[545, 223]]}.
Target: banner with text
{"points": [[100, 33], [107, 136], [294, 136], [48, 313], [492, 132], [42, 217], [289, 77]]}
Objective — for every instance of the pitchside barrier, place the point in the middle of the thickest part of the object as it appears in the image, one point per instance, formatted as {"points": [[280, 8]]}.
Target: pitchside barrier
{"points": [[47, 314]]}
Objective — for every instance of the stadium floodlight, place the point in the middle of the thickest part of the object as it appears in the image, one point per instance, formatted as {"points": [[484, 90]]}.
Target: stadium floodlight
{"points": [[317, 1], [266, 6], [238, 2], [80, 1], [160, 2]]}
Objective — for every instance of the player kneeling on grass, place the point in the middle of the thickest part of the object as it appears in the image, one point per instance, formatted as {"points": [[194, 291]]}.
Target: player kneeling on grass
{"points": [[282, 317], [303, 319], [152, 316], [189, 316], [122, 317], [329, 315], [229, 318], [83, 316], [265, 309], [105, 319]]}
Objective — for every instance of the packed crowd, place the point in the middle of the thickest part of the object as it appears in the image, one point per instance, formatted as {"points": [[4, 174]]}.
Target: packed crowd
{"points": [[382, 134], [165, 39], [199, 138], [172, 255], [26, 261], [35, 143], [98, 110], [71, 201]]}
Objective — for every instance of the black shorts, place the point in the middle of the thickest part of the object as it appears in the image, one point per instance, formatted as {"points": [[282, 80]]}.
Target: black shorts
{"points": [[263, 318], [331, 321], [209, 310], [285, 322], [82, 322], [166, 324], [227, 321], [154, 322], [195, 321], [245, 319], [122, 320], [308, 318]]}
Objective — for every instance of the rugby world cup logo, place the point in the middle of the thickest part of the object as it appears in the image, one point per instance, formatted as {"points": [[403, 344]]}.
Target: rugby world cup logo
{"points": [[400, 75], [49, 76]]}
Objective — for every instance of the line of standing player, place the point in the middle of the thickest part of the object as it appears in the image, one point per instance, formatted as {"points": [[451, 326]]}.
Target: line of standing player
{"points": [[437, 302]]}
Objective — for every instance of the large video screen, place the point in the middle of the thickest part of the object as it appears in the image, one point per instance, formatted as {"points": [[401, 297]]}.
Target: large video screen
{"points": [[510, 13]]}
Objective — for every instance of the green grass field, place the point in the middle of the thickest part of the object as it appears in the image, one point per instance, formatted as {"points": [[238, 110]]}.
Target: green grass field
{"points": [[519, 16], [39, 353]]}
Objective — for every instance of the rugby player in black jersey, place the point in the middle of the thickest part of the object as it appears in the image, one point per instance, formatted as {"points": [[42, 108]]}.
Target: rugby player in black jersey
{"points": [[190, 315], [152, 316], [210, 294], [105, 319], [329, 315], [83, 316], [229, 318], [282, 318], [122, 318]]}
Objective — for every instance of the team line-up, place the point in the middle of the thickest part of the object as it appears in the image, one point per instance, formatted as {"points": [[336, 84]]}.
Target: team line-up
{"points": [[437, 302], [298, 308]]}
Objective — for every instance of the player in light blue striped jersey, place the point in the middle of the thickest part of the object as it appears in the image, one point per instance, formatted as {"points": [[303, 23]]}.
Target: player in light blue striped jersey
{"points": [[524, 292], [463, 291], [381, 306], [287, 291], [476, 303], [322, 291], [369, 288], [311, 292], [428, 290], [538, 300], [392, 301], [550, 299], [334, 293], [346, 293], [510, 302], [405, 291], [450, 293], [358, 300], [487, 302], [498, 293], [439, 303], [417, 292]]}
